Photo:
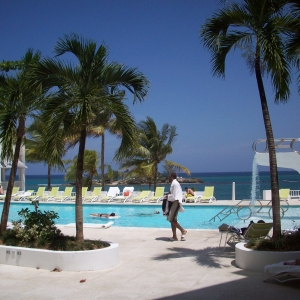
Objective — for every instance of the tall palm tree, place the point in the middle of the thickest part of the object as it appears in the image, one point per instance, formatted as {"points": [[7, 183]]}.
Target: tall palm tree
{"points": [[19, 97], [257, 27], [35, 144], [82, 90], [103, 121], [294, 40], [154, 146], [90, 165]]}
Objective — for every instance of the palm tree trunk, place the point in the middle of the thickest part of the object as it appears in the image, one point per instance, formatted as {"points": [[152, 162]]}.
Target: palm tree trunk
{"points": [[13, 171], [102, 160], [79, 172], [49, 177], [272, 153], [155, 176]]}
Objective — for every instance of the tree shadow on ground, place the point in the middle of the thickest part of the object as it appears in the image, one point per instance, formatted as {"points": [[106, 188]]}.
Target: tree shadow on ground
{"points": [[209, 256], [250, 286]]}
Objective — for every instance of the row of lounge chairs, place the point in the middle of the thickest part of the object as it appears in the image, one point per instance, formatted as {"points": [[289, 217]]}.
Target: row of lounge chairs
{"points": [[112, 195]]}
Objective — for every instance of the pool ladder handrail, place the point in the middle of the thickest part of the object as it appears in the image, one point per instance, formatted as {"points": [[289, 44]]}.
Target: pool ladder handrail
{"points": [[226, 212]]}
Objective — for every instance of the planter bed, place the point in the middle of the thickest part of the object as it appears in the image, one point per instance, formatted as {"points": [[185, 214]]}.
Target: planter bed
{"points": [[256, 260], [89, 260]]}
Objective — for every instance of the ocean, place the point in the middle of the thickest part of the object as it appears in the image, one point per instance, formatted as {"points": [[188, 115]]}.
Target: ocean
{"points": [[222, 181]]}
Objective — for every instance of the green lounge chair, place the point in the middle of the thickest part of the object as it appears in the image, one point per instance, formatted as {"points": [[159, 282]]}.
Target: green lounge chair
{"points": [[143, 196], [158, 195], [95, 194], [66, 195], [208, 195], [83, 194], [36, 196], [254, 231], [14, 193], [284, 194], [258, 231], [51, 196]]}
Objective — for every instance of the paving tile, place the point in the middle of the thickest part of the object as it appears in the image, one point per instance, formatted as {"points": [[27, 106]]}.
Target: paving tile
{"points": [[150, 268]]}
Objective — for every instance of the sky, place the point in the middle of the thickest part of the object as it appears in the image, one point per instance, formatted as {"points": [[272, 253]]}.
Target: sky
{"points": [[217, 120]]}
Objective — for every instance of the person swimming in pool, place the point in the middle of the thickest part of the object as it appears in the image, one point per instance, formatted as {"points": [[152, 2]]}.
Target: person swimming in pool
{"points": [[148, 214], [103, 215]]}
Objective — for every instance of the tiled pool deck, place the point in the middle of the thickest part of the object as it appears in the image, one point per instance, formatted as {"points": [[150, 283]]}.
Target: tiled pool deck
{"points": [[151, 267]]}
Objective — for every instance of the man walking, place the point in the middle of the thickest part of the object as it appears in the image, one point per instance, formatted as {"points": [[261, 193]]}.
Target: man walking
{"points": [[175, 196]]}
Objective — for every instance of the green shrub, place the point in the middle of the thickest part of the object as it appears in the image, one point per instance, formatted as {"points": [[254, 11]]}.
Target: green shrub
{"points": [[289, 241], [39, 231]]}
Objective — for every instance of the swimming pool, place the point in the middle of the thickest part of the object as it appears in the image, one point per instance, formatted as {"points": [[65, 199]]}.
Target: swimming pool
{"points": [[194, 217]]}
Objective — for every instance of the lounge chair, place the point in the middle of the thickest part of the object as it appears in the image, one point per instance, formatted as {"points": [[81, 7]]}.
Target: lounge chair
{"points": [[284, 194], [280, 272], [158, 195], [258, 231], [254, 231], [112, 192], [94, 195], [195, 198], [143, 196], [65, 196], [51, 196], [83, 194], [208, 195], [22, 197], [36, 196], [13, 193], [126, 195]]}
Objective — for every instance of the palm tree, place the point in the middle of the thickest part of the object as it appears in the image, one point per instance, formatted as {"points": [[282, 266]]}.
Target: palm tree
{"points": [[19, 98], [102, 122], [82, 91], [154, 146], [91, 161], [257, 27], [294, 41], [35, 144]]}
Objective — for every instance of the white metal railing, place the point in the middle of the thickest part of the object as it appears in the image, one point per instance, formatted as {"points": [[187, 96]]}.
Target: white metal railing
{"points": [[287, 143], [295, 194]]}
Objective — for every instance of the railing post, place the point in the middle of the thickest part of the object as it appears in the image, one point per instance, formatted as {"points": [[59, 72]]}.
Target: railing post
{"points": [[233, 191]]}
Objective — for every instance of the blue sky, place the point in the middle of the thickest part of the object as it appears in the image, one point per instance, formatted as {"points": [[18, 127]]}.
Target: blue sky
{"points": [[217, 120]]}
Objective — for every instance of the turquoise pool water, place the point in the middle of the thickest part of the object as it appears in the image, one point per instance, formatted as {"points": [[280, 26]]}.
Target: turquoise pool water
{"points": [[194, 217]]}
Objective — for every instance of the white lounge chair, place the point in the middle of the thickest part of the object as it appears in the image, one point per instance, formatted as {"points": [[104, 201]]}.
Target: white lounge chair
{"points": [[112, 192], [282, 273], [22, 197], [126, 195]]}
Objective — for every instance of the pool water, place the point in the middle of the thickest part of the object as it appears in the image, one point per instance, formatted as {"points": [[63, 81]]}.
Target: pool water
{"points": [[194, 217]]}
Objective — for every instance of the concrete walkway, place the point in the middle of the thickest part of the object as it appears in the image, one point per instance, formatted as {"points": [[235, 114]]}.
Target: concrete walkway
{"points": [[151, 267]]}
